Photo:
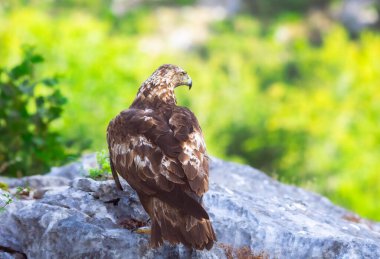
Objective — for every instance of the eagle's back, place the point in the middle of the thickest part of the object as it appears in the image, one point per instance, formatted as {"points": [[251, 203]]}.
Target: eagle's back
{"points": [[167, 145], [162, 155]]}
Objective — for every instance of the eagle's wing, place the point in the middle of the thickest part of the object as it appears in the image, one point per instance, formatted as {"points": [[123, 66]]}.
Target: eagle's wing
{"points": [[161, 158], [193, 157]]}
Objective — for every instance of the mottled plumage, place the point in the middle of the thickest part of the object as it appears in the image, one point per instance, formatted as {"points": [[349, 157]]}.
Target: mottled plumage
{"points": [[158, 147]]}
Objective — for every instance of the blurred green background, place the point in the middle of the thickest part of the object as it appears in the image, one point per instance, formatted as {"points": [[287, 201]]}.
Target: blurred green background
{"points": [[290, 87]]}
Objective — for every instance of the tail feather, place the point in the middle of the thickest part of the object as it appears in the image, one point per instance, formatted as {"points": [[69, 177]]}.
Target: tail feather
{"points": [[175, 226], [156, 236]]}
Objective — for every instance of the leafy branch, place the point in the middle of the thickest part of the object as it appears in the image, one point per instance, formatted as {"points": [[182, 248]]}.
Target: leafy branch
{"points": [[104, 170], [28, 107], [8, 200]]}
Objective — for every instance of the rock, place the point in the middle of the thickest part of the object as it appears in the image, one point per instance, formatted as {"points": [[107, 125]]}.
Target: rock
{"points": [[36, 181], [75, 169], [253, 215], [357, 15]]}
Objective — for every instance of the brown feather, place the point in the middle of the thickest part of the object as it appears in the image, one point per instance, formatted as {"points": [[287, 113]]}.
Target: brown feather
{"points": [[159, 149]]}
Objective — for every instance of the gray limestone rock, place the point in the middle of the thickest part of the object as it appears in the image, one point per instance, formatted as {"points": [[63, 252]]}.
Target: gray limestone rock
{"points": [[75, 169], [357, 15], [253, 215]]}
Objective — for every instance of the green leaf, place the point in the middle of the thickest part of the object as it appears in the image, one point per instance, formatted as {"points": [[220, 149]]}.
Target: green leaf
{"points": [[57, 98], [54, 112], [21, 70], [36, 58], [40, 101], [38, 141], [50, 81], [26, 87]]}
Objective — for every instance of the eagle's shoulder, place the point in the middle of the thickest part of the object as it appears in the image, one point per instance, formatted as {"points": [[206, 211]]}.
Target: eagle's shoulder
{"points": [[131, 122]]}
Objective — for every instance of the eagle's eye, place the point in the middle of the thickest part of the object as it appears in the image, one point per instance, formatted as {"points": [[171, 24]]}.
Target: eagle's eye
{"points": [[182, 73]]}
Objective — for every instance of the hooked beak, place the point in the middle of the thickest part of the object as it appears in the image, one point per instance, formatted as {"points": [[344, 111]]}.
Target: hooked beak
{"points": [[189, 82]]}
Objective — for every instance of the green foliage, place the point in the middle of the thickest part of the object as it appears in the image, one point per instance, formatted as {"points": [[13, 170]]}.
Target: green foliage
{"points": [[7, 200], [104, 170], [305, 114], [268, 9], [4, 186], [27, 109], [22, 191]]}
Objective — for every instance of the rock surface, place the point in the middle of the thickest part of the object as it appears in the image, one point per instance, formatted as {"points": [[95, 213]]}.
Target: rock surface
{"points": [[357, 15], [253, 215]]}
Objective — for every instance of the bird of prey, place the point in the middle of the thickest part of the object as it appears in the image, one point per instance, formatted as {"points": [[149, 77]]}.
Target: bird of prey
{"points": [[158, 148]]}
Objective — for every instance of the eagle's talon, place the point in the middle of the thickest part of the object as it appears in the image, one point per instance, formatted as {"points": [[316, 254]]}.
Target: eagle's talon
{"points": [[142, 230]]}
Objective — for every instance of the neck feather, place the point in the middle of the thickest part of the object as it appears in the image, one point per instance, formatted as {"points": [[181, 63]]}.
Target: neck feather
{"points": [[152, 94]]}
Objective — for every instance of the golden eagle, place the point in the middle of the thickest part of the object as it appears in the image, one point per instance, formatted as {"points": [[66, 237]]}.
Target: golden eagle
{"points": [[158, 148]]}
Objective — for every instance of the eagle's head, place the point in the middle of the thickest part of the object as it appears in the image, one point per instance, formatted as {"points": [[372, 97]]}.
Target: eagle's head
{"points": [[159, 87], [171, 75]]}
